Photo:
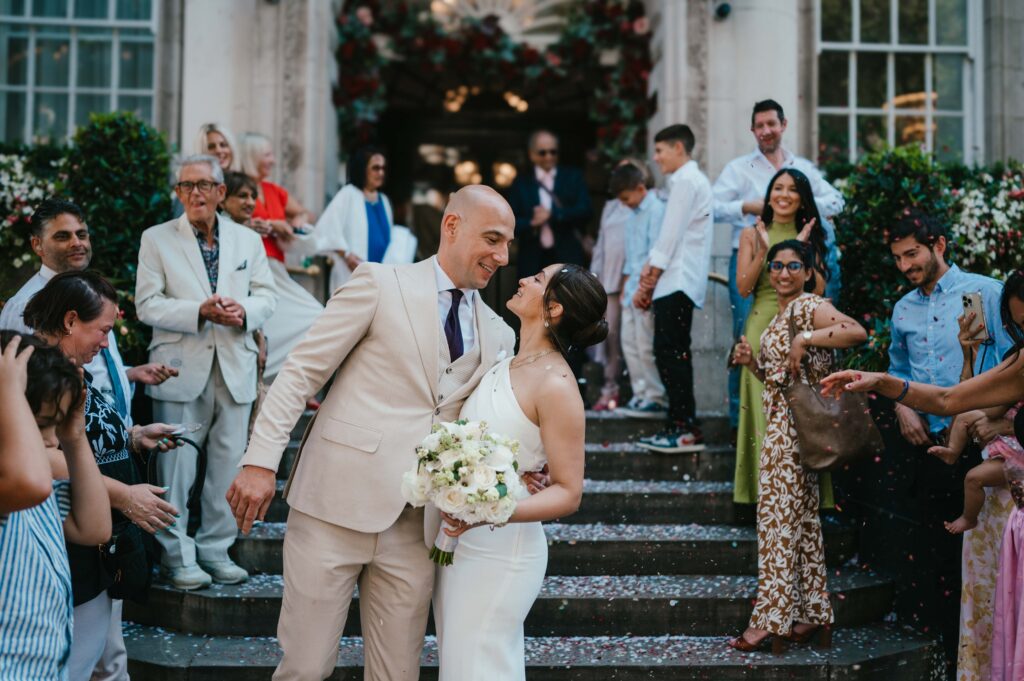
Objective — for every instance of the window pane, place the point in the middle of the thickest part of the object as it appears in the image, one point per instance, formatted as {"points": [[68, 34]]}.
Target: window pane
{"points": [[50, 123], [140, 106], [871, 80], [951, 22], [833, 138], [13, 7], [909, 130], [136, 65], [13, 53], [52, 60], [870, 134], [837, 20], [948, 75], [12, 116], [94, 63], [833, 78], [874, 21], [50, 8], [914, 22], [909, 81], [90, 104], [135, 9], [91, 9], [949, 138]]}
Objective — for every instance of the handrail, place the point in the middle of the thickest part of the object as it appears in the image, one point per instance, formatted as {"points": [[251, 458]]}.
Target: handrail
{"points": [[311, 271]]}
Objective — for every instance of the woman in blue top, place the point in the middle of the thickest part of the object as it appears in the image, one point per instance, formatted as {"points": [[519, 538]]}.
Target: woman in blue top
{"points": [[35, 580]]}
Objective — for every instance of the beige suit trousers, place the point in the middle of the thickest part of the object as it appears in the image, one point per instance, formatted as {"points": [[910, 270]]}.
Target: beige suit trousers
{"points": [[322, 565]]}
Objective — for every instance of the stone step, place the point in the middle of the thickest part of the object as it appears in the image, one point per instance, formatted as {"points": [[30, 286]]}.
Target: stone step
{"points": [[628, 461], [610, 549], [866, 653], [625, 501], [567, 606]]}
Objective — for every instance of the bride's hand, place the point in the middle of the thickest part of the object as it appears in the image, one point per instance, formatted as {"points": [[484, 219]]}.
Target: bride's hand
{"points": [[456, 527]]}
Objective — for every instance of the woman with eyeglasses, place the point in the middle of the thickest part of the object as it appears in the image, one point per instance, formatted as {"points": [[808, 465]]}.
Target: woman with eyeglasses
{"points": [[357, 224], [792, 596], [789, 213]]}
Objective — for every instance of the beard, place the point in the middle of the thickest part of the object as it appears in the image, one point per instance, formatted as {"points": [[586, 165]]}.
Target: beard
{"points": [[929, 271]]}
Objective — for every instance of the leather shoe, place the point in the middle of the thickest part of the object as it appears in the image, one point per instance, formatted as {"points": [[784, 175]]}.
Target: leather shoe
{"points": [[225, 572], [187, 578]]}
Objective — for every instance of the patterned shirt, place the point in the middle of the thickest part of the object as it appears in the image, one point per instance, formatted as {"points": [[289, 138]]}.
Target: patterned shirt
{"points": [[211, 254], [35, 590]]}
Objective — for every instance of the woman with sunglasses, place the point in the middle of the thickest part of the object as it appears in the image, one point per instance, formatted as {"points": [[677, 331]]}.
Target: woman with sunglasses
{"points": [[789, 213], [792, 597]]}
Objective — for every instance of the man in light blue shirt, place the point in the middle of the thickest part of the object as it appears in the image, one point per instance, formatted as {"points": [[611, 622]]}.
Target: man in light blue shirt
{"points": [[637, 326], [925, 326]]}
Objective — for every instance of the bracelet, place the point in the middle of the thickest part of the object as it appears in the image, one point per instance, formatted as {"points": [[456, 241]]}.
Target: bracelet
{"points": [[906, 387]]}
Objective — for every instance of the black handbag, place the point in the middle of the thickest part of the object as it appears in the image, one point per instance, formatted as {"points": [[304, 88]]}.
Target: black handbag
{"points": [[128, 558]]}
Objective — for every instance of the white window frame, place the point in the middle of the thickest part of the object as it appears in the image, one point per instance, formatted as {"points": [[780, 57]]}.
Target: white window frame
{"points": [[46, 27], [972, 97]]}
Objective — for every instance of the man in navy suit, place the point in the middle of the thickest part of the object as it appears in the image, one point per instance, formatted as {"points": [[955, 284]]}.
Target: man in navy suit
{"points": [[552, 207]]}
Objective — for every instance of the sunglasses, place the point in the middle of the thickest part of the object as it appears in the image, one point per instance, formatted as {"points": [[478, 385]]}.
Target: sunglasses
{"points": [[778, 266], [547, 152]]}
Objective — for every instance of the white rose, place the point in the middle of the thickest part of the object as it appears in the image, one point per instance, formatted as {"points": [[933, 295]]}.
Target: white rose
{"points": [[500, 457], [483, 477], [452, 500], [432, 442], [448, 458], [416, 488]]}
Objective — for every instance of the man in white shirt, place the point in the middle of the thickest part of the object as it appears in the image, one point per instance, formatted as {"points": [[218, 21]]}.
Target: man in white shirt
{"points": [[674, 281], [739, 199]]}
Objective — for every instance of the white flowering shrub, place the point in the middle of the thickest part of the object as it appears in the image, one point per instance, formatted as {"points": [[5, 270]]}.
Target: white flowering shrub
{"points": [[988, 222], [20, 191]]}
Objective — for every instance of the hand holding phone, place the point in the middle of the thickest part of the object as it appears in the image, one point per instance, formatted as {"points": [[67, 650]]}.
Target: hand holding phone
{"points": [[974, 313], [185, 429]]}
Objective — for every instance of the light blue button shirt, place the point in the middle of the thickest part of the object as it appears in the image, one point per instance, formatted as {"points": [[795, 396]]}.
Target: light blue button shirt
{"points": [[642, 232], [924, 346]]}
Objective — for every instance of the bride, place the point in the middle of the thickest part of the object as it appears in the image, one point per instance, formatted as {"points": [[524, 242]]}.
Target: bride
{"points": [[481, 600]]}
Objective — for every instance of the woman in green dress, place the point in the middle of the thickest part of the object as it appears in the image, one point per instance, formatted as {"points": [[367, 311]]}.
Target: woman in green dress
{"points": [[789, 213]]}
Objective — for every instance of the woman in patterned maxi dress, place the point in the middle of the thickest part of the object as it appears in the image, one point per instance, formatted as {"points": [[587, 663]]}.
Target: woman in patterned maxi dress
{"points": [[792, 595]]}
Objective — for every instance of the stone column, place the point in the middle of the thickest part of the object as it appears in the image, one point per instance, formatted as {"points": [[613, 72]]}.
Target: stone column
{"points": [[1004, 80]]}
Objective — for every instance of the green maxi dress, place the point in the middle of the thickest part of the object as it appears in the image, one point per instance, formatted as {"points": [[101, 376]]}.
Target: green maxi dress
{"points": [[753, 421]]}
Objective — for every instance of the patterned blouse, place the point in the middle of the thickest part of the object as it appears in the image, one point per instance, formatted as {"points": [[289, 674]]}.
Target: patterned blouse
{"points": [[35, 590]]}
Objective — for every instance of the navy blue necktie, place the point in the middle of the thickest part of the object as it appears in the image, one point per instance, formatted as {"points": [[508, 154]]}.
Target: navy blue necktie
{"points": [[120, 403], [452, 328]]}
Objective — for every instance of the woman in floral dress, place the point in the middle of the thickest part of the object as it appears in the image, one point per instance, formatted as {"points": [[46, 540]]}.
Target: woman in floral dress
{"points": [[792, 595]]}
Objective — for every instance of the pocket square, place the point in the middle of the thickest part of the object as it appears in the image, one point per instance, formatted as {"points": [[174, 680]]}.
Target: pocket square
{"points": [[244, 265]]}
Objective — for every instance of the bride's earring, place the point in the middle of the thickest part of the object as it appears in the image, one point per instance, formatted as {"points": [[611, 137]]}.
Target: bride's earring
{"points": [[546, 325]]}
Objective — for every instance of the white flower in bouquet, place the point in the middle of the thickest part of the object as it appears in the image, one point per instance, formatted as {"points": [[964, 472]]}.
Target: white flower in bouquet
{"points": [[466, 472]]}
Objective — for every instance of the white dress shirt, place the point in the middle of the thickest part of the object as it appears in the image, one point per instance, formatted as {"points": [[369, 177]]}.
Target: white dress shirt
{"points": [[683, 249], [12, 317], [546, 178], [466, 305], [746, 178]]}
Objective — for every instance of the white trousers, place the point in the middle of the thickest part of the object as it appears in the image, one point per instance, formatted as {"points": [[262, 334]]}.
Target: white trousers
{"points": [[637, 331], [224, 430], [97, 644]]}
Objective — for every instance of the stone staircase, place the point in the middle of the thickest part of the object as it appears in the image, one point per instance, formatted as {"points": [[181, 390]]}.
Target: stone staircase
{"points": [[646, 581]]}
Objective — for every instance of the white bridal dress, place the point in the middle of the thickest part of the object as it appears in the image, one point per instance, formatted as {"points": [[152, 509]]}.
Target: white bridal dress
{"points": [[481, 600]]}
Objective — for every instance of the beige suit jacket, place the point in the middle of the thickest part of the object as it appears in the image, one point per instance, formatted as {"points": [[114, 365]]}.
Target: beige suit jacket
{"points": [[378, 337]]}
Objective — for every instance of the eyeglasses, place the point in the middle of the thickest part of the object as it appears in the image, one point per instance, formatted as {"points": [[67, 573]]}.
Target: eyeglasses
{"points": [[547, 152], [205, 186], [778, 266]]}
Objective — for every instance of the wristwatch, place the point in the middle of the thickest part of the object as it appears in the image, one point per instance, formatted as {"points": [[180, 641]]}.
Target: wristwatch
{"points": [[807, 336]]}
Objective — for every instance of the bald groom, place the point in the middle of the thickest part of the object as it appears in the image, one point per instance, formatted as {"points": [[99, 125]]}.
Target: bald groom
{"points": [[406, 344]]}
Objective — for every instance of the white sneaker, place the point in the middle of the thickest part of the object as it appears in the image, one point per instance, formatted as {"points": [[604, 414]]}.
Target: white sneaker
{"points": [[187, 578], [225, 572]]}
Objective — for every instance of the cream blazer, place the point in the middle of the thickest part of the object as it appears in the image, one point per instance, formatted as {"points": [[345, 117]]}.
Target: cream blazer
{"points": [[378, 337], [171, 284]]}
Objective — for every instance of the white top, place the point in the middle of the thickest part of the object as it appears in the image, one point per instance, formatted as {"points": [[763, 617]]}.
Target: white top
{"points": [[494, 401], [683, 249], [444, 305], [12, 317], [746, 179], [546, 178]]}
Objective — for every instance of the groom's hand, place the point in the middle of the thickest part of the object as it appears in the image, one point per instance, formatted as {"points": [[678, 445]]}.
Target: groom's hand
{"points": [[535, 481], [250, 495]]}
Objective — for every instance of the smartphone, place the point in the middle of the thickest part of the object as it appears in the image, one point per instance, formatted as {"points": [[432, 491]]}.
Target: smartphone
{"points": [[972, 303], [185, 429]]}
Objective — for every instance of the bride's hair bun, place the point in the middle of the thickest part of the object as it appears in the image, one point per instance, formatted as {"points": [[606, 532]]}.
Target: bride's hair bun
{"points": [[583, 301]]}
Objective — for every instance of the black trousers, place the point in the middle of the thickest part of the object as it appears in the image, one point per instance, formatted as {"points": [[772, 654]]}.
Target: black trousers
{"points": [[673, 318]]}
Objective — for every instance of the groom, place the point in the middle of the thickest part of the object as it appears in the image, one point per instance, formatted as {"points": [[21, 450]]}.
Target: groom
{"points": [[406, 345]]}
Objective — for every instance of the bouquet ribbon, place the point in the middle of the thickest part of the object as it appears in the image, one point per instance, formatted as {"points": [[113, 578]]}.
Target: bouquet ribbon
{"points": [[443, 552]]}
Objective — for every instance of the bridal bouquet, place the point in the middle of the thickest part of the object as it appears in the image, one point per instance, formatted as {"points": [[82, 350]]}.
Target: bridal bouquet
{"points": [[466, 472]]}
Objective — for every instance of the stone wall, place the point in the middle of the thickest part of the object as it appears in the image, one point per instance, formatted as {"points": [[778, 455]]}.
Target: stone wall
{"points": [[1004, 79]]}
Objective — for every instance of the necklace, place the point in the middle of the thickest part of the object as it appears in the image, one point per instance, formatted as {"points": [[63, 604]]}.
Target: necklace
{"points": [[530, 359]]}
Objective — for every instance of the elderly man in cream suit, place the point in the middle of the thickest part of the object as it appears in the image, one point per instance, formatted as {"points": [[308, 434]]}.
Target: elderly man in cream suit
{"points": [[204, 285], [406, 344]]}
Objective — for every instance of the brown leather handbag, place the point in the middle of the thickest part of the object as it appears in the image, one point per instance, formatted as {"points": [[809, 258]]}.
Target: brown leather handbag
{"points": [[831, 433]]}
